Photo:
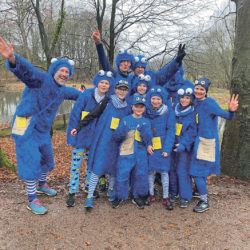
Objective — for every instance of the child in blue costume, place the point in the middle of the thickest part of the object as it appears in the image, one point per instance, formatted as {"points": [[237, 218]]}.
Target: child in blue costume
{"points": [[104, 150], [206, 157], [134, 136], [161, 115], [184, 138], [86, 102], [42, 96], [163, 75]]}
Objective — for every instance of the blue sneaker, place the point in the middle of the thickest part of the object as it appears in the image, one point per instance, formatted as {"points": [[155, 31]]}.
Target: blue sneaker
{"points": [[89, 203], [111, 194], [36, 207], [45, 190]]}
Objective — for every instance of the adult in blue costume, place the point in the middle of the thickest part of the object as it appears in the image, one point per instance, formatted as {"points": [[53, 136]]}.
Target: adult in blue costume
{"points": [[124, 60], [175, 83], [43, 94], [164, 74], [161, 115], [104, 149], [81, 142], [206, 156], [134, 135], [184, 138]]}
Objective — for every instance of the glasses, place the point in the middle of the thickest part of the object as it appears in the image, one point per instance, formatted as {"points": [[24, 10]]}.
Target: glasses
{"points": [[123, 89]]}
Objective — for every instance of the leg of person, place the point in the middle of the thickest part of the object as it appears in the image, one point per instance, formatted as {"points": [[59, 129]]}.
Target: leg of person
{"points": [[111, 191], [151, 198], [173, 183], [88, 173], [34, 204], [77, 155], [102, 184], [202, 205], [165, 186], [185, 189], [92, 185]]}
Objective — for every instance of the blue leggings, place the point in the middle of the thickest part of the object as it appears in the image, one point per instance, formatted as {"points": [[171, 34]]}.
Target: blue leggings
{"points": [[201, 183]]}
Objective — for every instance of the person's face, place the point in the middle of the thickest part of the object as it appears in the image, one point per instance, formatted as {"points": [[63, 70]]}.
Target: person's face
{"points": [[185, 101], [121, 92], [125, 66], [156, 102], [139, 70], [138, 109], [199, 93], [103, 87], [62, 75], [141, 89]]}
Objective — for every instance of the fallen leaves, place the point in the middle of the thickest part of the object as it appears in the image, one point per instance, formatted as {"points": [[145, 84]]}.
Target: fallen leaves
{"points": [[87, 243]]}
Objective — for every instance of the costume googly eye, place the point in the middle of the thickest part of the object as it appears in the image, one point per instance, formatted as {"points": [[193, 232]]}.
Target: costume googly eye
{"points": [[196, 82], [137, 59], [121, 51], [180, 92], [101, 73], [129, 51], [158, 90], [203, 82], [71, 62], [152, 89], [144, 60], [147, 78], [53, 60], [143, 99], [189, 91], [109, 74], [141, 77], [137, 98]]}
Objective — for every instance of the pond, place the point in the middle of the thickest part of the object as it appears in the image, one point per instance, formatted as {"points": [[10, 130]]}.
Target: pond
{"points": [[9, 101]]}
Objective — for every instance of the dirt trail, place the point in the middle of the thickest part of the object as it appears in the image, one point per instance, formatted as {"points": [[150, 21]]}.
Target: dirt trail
{"points": [[225, 226]]}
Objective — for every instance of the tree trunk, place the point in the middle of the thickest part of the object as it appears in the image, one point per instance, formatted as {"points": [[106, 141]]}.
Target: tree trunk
{"points": [[4, 162], [236, 140]]}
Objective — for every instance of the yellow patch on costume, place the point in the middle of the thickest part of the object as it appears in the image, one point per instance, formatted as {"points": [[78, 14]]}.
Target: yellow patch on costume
{"points": [[197, 118], [79, 154], [178, 129], [137, 136], [114, 123], [84, 113], [156, 141]]}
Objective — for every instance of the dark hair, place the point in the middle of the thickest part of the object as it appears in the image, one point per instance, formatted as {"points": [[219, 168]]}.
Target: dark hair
{"points": [[82, 86]]}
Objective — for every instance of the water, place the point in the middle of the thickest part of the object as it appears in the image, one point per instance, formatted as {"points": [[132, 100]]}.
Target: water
{"points": [[9, 101]]}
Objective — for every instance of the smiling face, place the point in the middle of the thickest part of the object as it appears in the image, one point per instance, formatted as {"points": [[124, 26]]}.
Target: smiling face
{"points": [[125, 66], [156, 102], [121, 92], [185, 101], [141, 89], [103, 87], [199, 93], [62, 75], [138, 110], [139, 70]]}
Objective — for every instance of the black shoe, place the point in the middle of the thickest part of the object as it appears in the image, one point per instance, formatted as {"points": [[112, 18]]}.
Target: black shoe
{"points": [[173, 198], [71, 200], [167, 204], [196, 194], [138, 202], [116, 203], [183, 203], [201, 207]]}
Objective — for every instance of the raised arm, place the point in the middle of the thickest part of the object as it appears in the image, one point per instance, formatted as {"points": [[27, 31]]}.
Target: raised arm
{"points": [[103, 59], [7, 51]]}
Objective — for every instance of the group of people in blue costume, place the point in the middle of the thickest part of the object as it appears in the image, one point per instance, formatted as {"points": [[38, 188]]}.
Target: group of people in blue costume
{"points": [[132, 124]]}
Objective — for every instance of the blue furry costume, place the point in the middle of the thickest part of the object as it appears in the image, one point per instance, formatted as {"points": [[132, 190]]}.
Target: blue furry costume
{"points": [[185, 136], [157, 77], [34, 116], [104, 150], [81, 142], [163, 126], [132, 161], [176, 82], [122, 55]]}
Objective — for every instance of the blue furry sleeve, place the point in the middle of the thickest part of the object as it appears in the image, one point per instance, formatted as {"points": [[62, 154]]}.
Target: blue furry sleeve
{"points": [[26, 72], [167, 72], [215, 109], [120, 133], [103, 59], [146, 133], [170, 135], [71, 93]]}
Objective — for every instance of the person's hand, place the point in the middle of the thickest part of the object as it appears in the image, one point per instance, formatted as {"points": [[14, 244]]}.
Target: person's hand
{"points": [[175, 149], [150, 149], [233, 104], [7, 51], [180, 54], [73, 132], [96, 36], [164, 154]]}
